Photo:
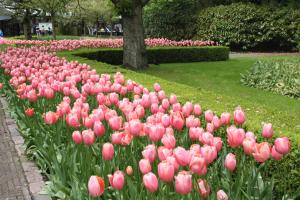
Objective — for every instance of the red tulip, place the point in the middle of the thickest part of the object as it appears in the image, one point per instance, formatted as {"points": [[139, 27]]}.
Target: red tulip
{"points": [[29, 112]]}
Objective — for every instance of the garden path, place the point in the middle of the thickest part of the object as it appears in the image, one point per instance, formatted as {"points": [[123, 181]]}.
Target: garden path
{"points": [[13, 185]]}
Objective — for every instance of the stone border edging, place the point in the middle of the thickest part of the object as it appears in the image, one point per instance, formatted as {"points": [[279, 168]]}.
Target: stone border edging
{"points": [[34, 179]]}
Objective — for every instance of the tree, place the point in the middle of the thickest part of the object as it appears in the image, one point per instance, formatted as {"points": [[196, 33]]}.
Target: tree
{"points": [[23, 10], [53, 7], [134, 49], [88, 13]]}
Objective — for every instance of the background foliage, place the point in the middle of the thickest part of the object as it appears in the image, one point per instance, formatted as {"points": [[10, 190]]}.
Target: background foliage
{"points": [[171, 19], [282, 77], [250, 27]]}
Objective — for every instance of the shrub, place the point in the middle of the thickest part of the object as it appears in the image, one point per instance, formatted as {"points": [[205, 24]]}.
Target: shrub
{"points": [[171, 19], [250, 27], [282, 77], [163, 54]]}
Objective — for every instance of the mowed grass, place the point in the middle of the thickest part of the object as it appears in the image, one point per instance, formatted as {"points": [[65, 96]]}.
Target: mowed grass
{"points": [[216, 86]]}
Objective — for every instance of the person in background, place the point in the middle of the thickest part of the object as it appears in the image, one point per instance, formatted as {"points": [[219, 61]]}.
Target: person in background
{"points": [[1, 33]]}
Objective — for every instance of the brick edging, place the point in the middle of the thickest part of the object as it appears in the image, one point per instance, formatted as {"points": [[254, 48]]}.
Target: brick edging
{"points": [[34, 179]]}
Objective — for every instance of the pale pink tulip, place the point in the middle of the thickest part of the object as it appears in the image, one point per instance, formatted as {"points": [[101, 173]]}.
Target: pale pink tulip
{"points": [[145, 166], [183, 183], [108, 151], [239, 116], [267, 131], [77, 137], [166, 171], [150, 181], [230, 162], [117, 180], [221, 195], [96, 186]]}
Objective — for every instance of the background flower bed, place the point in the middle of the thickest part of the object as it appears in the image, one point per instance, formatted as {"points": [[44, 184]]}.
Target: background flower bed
{"points": [[282, 77], [162, 54]]}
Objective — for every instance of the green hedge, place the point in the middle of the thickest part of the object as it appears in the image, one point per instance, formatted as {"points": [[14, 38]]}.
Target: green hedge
{"points": [[163, 55], [250, 27]]}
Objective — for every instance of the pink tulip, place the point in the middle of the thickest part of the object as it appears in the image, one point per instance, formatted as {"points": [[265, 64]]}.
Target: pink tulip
{"points": [[209, 153], [166, 171], [275, 154], [77, 137], [197, 110], [183, 183], [221, 195], [149, 153], [173, 99], [135, 127], [251, 136], [217, 142], [262, 152], [182, 156], [230, 162], [165, 120], [248, 146], [96, 186], [267, 131], [203, 188], [1, 84], [195, 133], [208, 115], [88, 122], [216, 122], [88, 137], [239, 116], [145, 166], [210, 127], [73, 120], [177, 120], [150, 181], [99, 128], [157, 87], [225, 118], [115, 123], [198, 165], [50, 118], [282, 145], [108, 151], [117, 180], [235, 136], [164, 152], [168, 141], [172, 161]]}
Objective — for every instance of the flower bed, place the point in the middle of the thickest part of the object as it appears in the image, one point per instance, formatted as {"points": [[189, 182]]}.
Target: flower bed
{"points": [[60, 45], [101, 135]]}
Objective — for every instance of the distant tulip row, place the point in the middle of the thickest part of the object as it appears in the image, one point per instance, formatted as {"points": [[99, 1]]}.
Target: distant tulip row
{"points": [[60, 45], [143, 136]]}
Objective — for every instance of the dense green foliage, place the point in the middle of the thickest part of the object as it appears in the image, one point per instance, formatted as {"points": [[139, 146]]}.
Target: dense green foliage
{"points": [[163, 54], [250, 27], [282, 77], [171, 19]]}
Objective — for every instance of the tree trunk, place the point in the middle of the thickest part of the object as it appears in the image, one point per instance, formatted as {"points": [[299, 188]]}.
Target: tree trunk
{"points": [[27, 25], [134, 50], [53, 25]]}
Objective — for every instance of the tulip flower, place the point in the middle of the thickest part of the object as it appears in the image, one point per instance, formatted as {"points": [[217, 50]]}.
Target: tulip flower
{"points": [[182, 156], [166, 171], [275, 154], [29, 112], [239, 116], [150, 181], [221, 195], [77, 137], [267, 131], [282, 145], [230, 162], [96, 186], [88, 137], [108, 151], [117, 180], [203, 188], [198, 165], [145, 166], [129, 170], [262, 152], [183, 183]]}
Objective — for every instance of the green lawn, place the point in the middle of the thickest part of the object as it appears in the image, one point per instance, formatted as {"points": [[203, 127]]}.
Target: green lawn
{"points": [[215, 85]]}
